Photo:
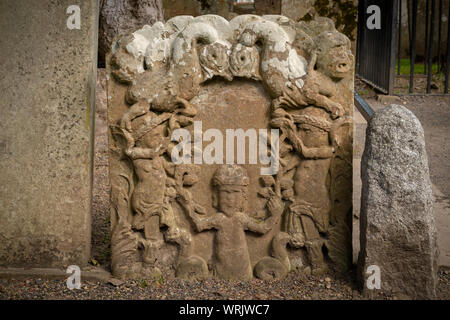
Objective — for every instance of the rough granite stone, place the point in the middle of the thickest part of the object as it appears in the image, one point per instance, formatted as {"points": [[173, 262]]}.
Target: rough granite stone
{"points": [[47, 112], [398, 231]]}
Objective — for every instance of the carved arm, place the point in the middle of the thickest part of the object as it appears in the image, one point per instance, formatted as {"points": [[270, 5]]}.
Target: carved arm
{"points": [[201, 223], [275, 207], [138, 109], [287, 126]]}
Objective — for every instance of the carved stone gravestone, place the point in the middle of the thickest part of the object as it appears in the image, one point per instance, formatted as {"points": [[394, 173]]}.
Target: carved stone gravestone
{"points": [[230, 148]]}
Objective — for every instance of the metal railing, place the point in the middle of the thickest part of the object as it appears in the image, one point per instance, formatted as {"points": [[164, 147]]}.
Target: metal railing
{"points": [[432, 11], [378, 50], [376, 46]]}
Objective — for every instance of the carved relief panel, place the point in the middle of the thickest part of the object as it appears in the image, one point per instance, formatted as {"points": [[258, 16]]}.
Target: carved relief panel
{"points": [[230, 148]]}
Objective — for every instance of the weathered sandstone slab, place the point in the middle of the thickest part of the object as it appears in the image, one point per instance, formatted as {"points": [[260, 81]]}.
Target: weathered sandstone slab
{"points": [[261, 182]]}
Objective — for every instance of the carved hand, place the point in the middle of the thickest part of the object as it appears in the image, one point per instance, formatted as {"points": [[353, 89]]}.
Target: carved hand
{"points": [[125, 122], [183, 196], [275, 205], [336, 110]]}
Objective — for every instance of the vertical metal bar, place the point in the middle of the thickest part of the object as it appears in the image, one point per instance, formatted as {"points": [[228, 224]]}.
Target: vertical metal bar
{"points": [[399, 35], [426, 38], [447, 68], [359, 40], [430, 50], [394, 23], [412, 46], [439, 37], [408, 3]]}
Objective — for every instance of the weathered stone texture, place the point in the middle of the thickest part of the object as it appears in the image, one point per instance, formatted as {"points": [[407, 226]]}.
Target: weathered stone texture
{"points": [[344, 13], [46, 128], [398, 231], [298, 9], [173, 8], [268, 7], [230, 220], [119, 17]]}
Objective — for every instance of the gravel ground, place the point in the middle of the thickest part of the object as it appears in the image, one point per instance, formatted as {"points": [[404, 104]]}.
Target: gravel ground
{"points": [[295, 286]]}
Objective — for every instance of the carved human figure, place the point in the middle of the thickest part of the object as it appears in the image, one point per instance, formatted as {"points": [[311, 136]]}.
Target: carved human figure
{"points": [[231, 256], [310, 131], [149, 192]]}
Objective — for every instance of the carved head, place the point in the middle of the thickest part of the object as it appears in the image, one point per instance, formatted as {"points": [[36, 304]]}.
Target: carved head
{"points": [[231, 182], [214, 60], [334, 56]]}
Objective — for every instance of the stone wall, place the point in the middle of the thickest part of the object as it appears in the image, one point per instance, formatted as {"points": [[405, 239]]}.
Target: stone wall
{"points": [[48, 93], [173, 8], [343, 13]]}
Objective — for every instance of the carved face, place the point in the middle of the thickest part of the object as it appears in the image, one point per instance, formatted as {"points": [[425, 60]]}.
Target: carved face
{"points": [[214, 61], [336, 63], [231, 199], [154, 139]]}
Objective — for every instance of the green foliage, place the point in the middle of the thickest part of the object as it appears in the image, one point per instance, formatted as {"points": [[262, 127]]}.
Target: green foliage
{"points": [[405, 67], [158, 278], [94, 262], [143, 284]]}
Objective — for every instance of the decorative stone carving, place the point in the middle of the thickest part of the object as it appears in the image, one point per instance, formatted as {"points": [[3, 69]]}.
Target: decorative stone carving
{"points": [[194, 220]]}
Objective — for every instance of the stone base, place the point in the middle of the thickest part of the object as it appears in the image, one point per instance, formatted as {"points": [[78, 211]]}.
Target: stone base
{"points": [[94, 274]]}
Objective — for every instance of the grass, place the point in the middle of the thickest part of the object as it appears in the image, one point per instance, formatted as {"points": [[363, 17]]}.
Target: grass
{"points": [[405, 67]]}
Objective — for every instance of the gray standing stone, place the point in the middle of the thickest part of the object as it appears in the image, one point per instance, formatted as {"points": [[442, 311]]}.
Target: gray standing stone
{"points": [[398, 231], [47, 85]]}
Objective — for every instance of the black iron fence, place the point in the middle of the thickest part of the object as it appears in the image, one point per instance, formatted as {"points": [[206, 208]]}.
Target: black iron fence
{"points": [[377, 25], [381, 44]]}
